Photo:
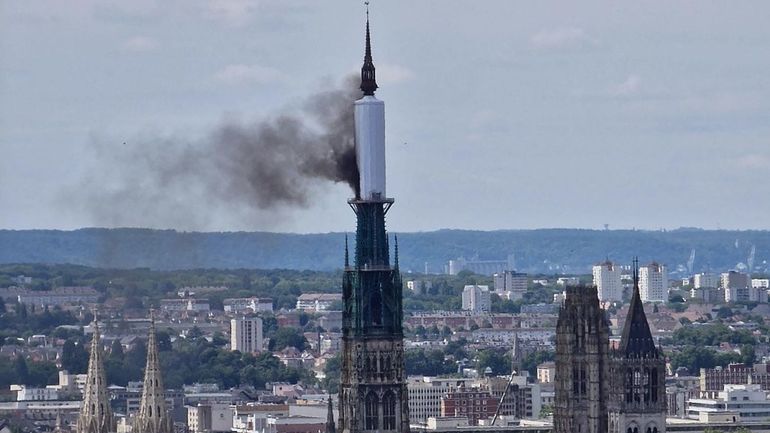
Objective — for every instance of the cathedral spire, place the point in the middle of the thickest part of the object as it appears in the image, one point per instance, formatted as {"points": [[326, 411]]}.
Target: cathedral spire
{"points": [[330, 427], [636, 339], [368, 81], [95, 413], [153, 416]]}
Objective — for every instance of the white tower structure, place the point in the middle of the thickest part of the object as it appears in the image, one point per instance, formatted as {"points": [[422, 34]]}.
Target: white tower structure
{"points": [[369, 115], [96, 413], [653, 283], [607, 281], [246, 334]]}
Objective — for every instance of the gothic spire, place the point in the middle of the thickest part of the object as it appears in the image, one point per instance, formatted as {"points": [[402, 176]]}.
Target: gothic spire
{"points": [[95, 413], [368, 81], [330, 427], [153, 416], [636, 340]]}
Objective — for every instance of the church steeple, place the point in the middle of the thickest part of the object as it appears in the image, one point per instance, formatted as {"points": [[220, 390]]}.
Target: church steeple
{"points": [[368, 81], [636, 339], [153, 416], [330, 427], [96, 413]]}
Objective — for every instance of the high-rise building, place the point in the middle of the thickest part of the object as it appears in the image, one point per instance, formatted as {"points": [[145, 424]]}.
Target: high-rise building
{"points": [[607, 281], [637, 398], [153, 416], [510, 285], [477, 299], [582, 364], [373, 393], [95, 413], [704, 280], [653, 283], [246, 334], [737, 287]]}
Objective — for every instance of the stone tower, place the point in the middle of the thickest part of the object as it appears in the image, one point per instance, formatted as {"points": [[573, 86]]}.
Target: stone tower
{"points": [[153, 417], [582, 364], [637, 401], [96, 414], [373, 394]]}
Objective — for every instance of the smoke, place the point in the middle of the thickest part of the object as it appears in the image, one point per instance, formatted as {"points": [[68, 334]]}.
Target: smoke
{"points": [[252, 169]]}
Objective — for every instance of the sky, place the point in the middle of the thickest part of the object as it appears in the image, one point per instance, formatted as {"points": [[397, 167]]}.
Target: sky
{"points": [[499, 114]]}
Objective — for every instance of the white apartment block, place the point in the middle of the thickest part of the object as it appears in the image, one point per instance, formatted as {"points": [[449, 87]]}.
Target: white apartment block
{"points": [[210, 418], [425, 395], [315, 302], [477, 299], [246, 334], [737, 286], [254, 305], [653, 283], [760, 283], [607, 281], [27, 393], [741, 402], [702, 280]]}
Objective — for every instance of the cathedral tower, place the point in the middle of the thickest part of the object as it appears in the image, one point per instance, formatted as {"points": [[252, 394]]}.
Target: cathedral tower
{"points": [[373, 394], [153, 417], [95, 413], [638, 375], [582, 364]]}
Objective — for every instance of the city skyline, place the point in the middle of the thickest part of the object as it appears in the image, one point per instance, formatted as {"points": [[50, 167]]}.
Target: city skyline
{"points": [[549, 115]]}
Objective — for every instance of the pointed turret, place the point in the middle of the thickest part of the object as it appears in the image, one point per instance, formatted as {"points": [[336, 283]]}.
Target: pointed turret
{"points": [[636, 340], [368, 81], [95, 413], [330, 427], [153, 416]]}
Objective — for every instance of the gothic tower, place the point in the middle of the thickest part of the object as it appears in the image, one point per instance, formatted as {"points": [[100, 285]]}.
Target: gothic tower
{"points": [[373, 394], [582, 364], [638, 375], [95, 413], [153, 416]]}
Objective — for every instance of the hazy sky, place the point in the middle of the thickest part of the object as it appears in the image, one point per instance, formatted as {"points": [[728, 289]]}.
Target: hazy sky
{"points": [[500, 114]]}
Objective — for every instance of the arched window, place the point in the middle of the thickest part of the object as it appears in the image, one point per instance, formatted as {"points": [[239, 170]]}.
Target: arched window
{"points": [[654, 384], [629, 388], [646, 386], [371, 421], [389, 412], [376, 308], [637, 385]]}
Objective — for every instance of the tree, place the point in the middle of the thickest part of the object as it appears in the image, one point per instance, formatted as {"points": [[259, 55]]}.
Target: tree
{"points": [[332, 370], [74, 357], [497, 360], [287, 337]]}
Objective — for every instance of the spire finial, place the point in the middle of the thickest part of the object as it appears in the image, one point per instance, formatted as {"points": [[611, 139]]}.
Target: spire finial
{"points": [[636, 273], [368, 81], [395, 236], [347, 255]]}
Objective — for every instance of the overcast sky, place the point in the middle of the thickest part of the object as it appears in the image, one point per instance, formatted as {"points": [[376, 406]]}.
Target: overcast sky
{"points": [[500, 114]]}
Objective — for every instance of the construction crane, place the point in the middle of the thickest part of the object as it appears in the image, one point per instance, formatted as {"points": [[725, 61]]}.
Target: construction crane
{"points": [[502, 397]]}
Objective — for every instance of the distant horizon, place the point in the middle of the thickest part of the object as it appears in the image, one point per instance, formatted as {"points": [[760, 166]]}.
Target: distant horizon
{"points": [[610, 229]]}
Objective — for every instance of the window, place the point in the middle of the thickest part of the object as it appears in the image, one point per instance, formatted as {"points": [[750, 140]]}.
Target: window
{"points": [[389, 412], [371, 421]]}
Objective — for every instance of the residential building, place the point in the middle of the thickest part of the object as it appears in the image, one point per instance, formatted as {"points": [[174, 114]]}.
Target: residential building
{"points": [[315, 302], [760, 283], [28, 393], [419, 287], [476, 298], [473, 403], [739, 402], [210, 418], [546, 372], [425, 395], [653, 283], [59, 296], [510, 285], [185, 304], [481, 267], [705, 280], [247, 305], [246, 334], [607, 281]]}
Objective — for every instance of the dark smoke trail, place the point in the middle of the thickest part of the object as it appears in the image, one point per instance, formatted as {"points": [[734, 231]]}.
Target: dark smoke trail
{"points": [[271, 164]]}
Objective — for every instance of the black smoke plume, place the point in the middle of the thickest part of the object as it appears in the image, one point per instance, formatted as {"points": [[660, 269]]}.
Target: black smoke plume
{"points": [[274, 163]]}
